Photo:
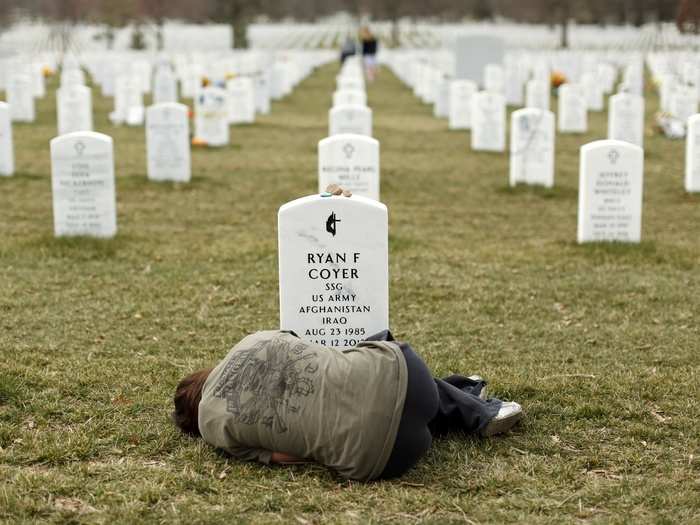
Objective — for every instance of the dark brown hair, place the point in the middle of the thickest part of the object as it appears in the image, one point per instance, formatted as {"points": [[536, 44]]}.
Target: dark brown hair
{"points": [[187, 397]]}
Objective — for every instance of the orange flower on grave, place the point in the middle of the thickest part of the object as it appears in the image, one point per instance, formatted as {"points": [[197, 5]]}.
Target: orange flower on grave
{"points": [[196, 141], [558, 78], [47, 71], [205, 82]]}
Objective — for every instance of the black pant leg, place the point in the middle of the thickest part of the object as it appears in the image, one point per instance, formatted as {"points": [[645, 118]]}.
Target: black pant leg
{"points": [[461, 410]]}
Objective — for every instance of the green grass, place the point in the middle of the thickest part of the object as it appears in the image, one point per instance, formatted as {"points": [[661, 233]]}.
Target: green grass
{"points": [[599, 343]]}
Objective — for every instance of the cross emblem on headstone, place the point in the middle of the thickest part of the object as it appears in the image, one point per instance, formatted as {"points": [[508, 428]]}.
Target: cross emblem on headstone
{"points": [[79, 148], [348, 149], [613, 156]]}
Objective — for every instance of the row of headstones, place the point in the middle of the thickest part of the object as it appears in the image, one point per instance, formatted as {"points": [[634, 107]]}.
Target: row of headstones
{"points": [[167, 125], [83, 163], [349, 156], [610, 196]]}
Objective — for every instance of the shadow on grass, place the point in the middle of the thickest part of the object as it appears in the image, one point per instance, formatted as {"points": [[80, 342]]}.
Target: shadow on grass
{"points": [[557, 192]]}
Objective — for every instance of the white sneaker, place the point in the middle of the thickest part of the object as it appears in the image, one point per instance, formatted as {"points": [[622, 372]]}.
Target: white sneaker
{"points": [[482, 394], [508, 415]]}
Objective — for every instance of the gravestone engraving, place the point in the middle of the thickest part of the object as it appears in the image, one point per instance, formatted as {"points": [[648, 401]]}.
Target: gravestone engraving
{"points": [[532, 147], [168, 142], [350, 161], [610, 192], [350, 119], [692, 155], [7, 155], [488, 122], [74, 107], [461, 92], [626, 118], [82, 180], [333, 269]]}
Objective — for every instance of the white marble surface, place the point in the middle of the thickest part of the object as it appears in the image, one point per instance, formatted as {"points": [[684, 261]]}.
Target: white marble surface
{"points": [[488, 122], [593, 90], [211, 117], [7, 155], [168, 142], [537, 94], [684, 102], [350, 161], [74, 109], [349, 97], [692, 155], [611, 177], [626, 118], [241, 100], [333, 269], [82, 180], [164, 85], [350, 119], [21, 99], [572, 116], [532, 147], [461, 92]]}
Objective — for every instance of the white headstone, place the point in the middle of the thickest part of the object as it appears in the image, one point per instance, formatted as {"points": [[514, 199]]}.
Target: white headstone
{"points": [[168, 142], [352, 97], [74, 107], [573, 109], [537, 95], [441, 108], [460, 106], [626, 118], [211, 116], [241, 100], [82, 180], [684, 102], [593, 91], [71, 77], [611, 176], [262, 92], [692, 155], [350, 119], [7, 155], [164, 85], [350, 161], [333, 268], [21, 99], [494, 79], [532, 147], [488, 122]]}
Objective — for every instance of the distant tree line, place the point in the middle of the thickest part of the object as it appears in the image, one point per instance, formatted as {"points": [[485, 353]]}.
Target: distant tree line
{"points": [[239, 13]]}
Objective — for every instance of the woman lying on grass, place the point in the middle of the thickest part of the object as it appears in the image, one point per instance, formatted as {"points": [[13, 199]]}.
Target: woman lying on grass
{"points": [[367, 412]]}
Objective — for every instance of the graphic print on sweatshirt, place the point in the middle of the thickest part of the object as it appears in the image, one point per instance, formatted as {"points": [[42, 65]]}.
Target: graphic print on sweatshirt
{"points": [[263, 382]]}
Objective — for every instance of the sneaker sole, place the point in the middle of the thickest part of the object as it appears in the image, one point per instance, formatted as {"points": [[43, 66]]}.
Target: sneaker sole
{"points": [[502, 425]]}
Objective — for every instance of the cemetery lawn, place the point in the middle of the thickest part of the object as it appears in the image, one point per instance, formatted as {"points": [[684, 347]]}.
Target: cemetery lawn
{"points": [[599, 343]]}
